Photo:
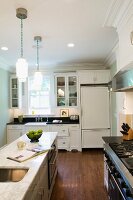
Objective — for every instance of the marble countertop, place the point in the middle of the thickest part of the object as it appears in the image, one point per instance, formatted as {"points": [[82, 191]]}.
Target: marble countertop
{"points": [[17, 190]]}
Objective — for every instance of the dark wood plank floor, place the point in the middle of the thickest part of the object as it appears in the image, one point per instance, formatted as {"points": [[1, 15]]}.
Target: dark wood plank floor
{"points": [[80, 176]]}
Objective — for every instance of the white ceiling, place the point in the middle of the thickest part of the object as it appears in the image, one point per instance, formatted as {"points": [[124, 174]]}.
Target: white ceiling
{"points": [[58, 22]]}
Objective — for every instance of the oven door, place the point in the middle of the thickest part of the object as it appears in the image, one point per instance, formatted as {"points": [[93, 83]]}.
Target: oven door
{"points": [[114, 186], [114, 191]]}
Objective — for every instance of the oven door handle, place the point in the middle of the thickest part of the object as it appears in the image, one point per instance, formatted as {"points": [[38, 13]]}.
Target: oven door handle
{"points": [[118, 187]]}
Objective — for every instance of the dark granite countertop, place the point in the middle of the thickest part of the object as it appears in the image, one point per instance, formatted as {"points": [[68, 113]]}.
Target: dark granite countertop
{"points": [[47, 120], [112, 139], [17, 123], [70, 122]]}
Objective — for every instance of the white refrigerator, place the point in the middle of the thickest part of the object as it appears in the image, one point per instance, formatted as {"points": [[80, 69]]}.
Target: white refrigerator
{"points": [[95, 117]]}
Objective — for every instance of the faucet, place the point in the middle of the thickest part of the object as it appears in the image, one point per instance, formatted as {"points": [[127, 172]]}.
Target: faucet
{"points": [[39, 119]]}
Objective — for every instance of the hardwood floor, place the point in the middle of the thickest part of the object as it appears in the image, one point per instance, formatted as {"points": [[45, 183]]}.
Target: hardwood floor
{"points": [[80, 176]]}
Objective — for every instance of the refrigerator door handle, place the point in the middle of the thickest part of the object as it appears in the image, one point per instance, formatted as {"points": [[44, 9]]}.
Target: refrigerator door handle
{"points": [[97, 129]]}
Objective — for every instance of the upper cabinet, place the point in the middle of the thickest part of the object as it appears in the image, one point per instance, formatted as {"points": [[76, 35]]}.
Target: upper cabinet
{"points": [[94, 76], [15, 91], [66, 90]]}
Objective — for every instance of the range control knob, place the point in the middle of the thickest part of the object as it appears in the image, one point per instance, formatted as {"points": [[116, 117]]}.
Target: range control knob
{"points": [[117, 175], [123, 185]]}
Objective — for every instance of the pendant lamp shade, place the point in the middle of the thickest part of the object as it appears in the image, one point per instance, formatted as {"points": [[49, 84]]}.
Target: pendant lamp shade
{"points": [[21, 65], [22, 69]]}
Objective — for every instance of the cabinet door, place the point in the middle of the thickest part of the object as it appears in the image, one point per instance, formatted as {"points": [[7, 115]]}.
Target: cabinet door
{"points": [[93, 138], [72, 91], [61, 91], [75, 139], [14, 132], [15, 93], [66, 90], [94, 76], [12, 135]]}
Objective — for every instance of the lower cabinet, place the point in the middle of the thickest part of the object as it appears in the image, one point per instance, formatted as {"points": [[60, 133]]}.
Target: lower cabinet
{"points": [[45, 128], [75, 137], [14, 132], [63, 142], [69, 136], [39, 188], [63, 135]]}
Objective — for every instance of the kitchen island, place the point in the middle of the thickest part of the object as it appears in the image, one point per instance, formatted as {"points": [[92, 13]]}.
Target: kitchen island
{"points": [[34, 184]]}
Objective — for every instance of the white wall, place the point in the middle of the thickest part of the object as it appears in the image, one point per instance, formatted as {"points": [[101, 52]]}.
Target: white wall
{"points": [[5, 112], [120, 16]]}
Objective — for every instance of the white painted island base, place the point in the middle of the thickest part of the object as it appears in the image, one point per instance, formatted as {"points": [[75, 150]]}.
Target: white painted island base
{"points": [[35, 184]]}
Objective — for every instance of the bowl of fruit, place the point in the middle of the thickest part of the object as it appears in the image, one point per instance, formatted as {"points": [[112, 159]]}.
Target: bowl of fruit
{"points": [[34, 135]]}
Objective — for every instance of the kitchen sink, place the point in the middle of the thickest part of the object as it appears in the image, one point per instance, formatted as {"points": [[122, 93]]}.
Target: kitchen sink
{"points": [[12, 174], [36, 124]]}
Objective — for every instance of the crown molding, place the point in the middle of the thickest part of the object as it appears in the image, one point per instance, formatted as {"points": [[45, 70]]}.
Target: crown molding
{"points": [[111, 58], [118, 14], [112, 12]]}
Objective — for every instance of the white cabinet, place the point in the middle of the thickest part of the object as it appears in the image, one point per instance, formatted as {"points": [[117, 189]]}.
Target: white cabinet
{"points": [[39, 188], [94, 76], [93, 138], [29, 127], [63, 135], [14, 132], [66, 90], [69, 136], [75, 137], [15, 93]]}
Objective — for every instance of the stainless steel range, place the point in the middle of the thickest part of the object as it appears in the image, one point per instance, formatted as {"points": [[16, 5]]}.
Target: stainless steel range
{"points": [[119, 162]]}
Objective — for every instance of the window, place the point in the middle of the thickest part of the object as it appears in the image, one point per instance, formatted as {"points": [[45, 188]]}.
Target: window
{"points": [[40, 101]]}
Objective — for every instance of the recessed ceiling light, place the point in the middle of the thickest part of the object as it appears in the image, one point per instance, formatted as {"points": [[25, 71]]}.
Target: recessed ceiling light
{"points": [[4, 48], [71, 45]]}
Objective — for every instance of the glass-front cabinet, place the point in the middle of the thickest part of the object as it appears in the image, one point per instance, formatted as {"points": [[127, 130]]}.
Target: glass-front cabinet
{"points": [[66, 90], [72, 90], [14, 93]]}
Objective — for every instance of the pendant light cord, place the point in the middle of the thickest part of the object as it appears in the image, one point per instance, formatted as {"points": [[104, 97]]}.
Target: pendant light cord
{"points": [[21, 38], [37, 55]]}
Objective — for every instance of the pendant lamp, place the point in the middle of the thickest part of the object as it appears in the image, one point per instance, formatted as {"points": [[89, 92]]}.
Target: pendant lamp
{"points": [[21, 64], [38, 78]]}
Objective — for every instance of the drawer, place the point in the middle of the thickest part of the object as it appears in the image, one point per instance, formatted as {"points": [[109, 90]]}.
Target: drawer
{"points": [[74, 126], [63, 142], [63, 132], [61, 129]]}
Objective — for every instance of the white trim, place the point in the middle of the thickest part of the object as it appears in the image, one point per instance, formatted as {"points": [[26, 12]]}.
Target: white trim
{"points": [[111, 58], [118, 13], [112, 12]]}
